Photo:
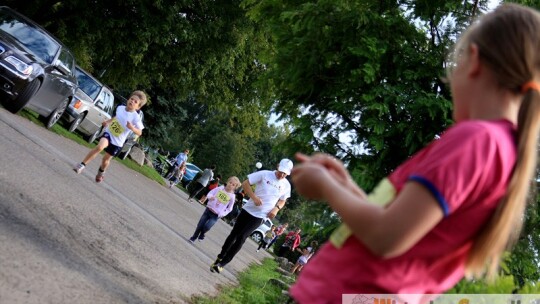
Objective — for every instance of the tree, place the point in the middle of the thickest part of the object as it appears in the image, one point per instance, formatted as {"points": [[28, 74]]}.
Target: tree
{"points": [[178, 51]]}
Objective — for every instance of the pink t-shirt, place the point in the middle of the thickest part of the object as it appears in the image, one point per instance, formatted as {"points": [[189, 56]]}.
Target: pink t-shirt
{"points": [[467, 170]]}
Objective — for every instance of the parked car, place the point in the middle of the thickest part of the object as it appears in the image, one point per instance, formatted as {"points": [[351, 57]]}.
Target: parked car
{"points": [[92, 105], [36, 70], [191, 172], [259, 232]]}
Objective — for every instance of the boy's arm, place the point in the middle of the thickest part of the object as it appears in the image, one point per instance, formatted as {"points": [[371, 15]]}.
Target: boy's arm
{"points": [[108, 121], [134, 129]]}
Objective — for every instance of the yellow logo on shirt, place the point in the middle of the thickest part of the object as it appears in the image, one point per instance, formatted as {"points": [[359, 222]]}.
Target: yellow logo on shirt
{"points": [[383, 194], [116, 128], [223, 197]]}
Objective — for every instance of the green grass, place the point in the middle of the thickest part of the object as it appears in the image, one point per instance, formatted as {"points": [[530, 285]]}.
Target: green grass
{"points": [[254, 287], [145, 170], [57, 128]]}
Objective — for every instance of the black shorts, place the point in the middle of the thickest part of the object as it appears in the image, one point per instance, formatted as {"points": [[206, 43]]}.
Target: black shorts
{"points": [[111, 149]]}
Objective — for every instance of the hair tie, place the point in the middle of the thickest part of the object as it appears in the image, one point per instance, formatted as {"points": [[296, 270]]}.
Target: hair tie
{"points": [[530, 85]]}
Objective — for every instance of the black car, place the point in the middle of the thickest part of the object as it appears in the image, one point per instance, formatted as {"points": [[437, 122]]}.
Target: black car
{"points": [[36, 70]]}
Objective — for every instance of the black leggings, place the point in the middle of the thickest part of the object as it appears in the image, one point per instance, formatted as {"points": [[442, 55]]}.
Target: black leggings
{"points": [[195, 189], [243, 228]]}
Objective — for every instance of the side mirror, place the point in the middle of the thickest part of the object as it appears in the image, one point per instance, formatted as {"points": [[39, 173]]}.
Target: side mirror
{"points": [[61, 67]]}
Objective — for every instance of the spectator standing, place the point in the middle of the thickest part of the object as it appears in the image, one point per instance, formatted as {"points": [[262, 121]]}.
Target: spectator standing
{"points": [[292, 241], [211, 185], [477, 175], [180, 159], [279, 231], [201, 182], [268, 237]]}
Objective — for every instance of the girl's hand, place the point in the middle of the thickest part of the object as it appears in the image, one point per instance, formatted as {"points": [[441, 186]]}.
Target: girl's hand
{"points": [[311, 180], [129, 125], [335, 166]]}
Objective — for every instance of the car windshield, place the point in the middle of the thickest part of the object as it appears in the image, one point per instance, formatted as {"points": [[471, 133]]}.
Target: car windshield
{"points": [[34, 40], [193, 167], [87, 84]]}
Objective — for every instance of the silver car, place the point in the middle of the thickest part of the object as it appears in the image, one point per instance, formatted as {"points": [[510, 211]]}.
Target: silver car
{"points": [[93, 104]]}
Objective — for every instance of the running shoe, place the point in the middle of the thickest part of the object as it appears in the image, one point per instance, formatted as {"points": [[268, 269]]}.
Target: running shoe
{"points": [[100, 176], [78, 168], [216, 268]]}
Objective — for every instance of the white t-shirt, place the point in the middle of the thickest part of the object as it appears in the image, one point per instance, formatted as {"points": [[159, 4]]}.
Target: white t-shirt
{"points": [[269, 189], [117, 128]]}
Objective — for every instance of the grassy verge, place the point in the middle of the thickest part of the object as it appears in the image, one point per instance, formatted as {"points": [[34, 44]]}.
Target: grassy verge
{"points": [[145, 170], [255, 287]]}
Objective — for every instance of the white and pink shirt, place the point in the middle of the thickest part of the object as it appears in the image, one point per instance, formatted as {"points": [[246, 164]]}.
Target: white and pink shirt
{"points": [[220, 201]]}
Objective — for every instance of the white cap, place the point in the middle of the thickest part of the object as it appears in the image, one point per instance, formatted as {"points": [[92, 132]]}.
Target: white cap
{"points": [[285, 166]]}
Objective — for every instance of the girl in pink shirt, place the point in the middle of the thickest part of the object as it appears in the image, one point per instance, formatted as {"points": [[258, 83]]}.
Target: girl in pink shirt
{"points": [[220, 203], [455, 206]]}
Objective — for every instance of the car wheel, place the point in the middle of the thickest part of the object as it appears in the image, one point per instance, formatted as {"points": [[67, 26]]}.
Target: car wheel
{"points": [[256, 236], [96, 134], [57, 113], [24, 97], [75, 123]]}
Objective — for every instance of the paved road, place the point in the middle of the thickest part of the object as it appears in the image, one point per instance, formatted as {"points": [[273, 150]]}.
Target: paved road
{"points": [[66, 239]]}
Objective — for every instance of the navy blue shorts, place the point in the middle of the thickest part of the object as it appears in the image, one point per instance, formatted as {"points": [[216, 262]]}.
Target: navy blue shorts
{"points": [[111, 149]]}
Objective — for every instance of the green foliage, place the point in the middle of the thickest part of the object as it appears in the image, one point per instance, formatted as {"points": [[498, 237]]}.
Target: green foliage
{"points": [[523, 261], [504, 284], [365, 70]]}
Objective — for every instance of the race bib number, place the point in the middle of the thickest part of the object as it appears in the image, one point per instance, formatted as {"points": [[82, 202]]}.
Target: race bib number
{"points": [[223, 197], [116, 128]]}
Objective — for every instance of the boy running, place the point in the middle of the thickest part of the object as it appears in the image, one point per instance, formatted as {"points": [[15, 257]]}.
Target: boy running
{"points": [[126, 120]]}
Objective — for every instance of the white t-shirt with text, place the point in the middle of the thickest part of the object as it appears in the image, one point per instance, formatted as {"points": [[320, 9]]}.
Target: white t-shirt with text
{"points": [[117, 128], [269, 189]]}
